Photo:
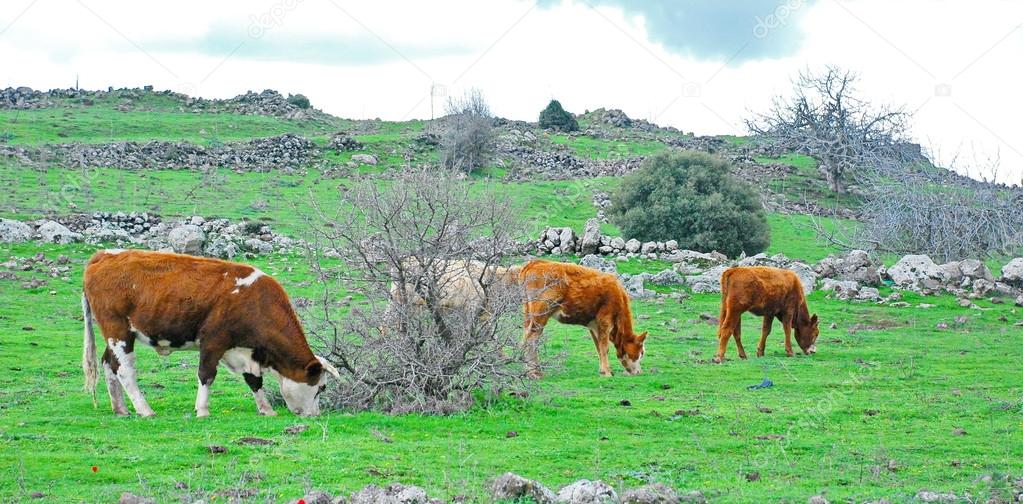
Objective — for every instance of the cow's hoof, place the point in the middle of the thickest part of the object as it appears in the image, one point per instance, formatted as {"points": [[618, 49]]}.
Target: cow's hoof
{"points": [[760, 353], [789, 354], [268, 413], [202, 414], [122, 413], [742, 356], [606, 373], [718, 360], [148, 414]]}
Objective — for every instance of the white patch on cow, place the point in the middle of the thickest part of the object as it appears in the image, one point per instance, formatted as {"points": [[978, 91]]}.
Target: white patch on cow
{"points": [[225, 274], [202, 400], [163, 342], [262, 404], [113, 251], [249, 280], [139, 335], [115, 391], [127, 376], [239, 360]]}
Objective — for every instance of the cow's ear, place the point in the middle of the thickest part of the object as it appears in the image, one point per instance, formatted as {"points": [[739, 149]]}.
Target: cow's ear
{"points": [[313, 371], [641, 338], [813, 319], [327, 366]]}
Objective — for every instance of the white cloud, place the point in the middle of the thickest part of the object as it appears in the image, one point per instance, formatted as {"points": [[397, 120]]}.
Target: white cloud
{"points": [[522, 55]]}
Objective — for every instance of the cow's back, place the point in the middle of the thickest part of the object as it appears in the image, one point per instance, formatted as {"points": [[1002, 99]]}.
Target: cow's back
{"points": [[761, 289]]}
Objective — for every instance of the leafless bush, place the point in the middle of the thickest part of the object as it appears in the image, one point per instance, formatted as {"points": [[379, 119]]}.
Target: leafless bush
{"points": [[825, 119], [437, 318], [468, 140], [935, 212]]}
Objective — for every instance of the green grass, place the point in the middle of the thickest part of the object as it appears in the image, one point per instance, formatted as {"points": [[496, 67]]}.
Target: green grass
{"points": [[99, 124], [885, 385], [596, 148], [794, 235]]}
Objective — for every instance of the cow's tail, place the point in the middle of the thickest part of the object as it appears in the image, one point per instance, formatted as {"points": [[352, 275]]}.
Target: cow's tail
{"points": [[89, 362]]}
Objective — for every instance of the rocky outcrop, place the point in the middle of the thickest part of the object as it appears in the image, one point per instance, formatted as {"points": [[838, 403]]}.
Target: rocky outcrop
{"points": [[12, 231]]}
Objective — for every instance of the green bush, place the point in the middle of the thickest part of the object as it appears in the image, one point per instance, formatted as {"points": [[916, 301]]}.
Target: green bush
{"points": [[299, 100], [555, 117], [690, 197]]}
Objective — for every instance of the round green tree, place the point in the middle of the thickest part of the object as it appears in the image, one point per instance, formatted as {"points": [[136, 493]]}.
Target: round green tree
{"points": [[555, 117], [692, 198]]}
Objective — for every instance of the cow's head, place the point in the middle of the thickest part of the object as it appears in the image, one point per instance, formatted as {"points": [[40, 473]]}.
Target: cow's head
{"points": [[630, 352], [806, 334], [302, 397]]}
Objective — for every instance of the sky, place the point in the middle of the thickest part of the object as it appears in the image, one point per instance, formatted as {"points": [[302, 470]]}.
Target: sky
{"points": [[699, 65]]}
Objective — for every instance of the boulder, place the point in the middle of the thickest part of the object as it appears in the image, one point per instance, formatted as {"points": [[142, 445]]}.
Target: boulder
{"points": [[12, 231], [707, 281], [588, 492], [510, 486], [666, 277], [187, 239], [635, 288], [567, 240], [1012, 272], [258, 246], [55, 232], [618, 243], [591, 237], [395, 493], [368, 159], [656, 493], [648, 247], [976, 270], [1019, 301], [599, 263], [917, 273], [671, 245], [856, 266], [633, 245], [843, 289], [951, 273], [869, 294]]}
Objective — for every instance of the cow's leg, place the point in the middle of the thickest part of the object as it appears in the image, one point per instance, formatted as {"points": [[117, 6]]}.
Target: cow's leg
{"points": [[114, 388], [536, 320], [728, 324], [209, 358], [603, 341], [737, 334], [255, 382], [121, 343], [766, 330], [786, 323]]}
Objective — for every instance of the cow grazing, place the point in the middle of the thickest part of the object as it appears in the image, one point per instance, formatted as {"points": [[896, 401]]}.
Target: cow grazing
{"points": [[577, 295], [771, 293], [229, 312], [458, 283]]}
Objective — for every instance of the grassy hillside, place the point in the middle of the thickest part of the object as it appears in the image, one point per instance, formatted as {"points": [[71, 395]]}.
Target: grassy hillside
{"points": [[889, 405]]}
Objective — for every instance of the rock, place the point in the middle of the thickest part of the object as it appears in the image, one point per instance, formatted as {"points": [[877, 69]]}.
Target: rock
{"points": [[588, 492], [510, 486], [55, 232], [12, 231], [1012, 272], [634, 287], [553, 235], [868, 294], [656, 493], [618, 243], [856, 266], [817, 499], [567, 240], [1019, 301], [258, 246], [365, 159], [667, 277], [130, 498], [917, 273], [591, 237], [599, 263], [983, 287], [928, 496], [690, 261], [633, 245], [187, 239], [395, 493], [708, 281], [671, 245], [843, 289], [974, 269], [648, 247], [951, 273], [694, 496]]}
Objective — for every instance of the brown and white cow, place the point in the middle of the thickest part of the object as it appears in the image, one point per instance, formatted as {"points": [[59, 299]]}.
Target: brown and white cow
{"points": [[229, 312], [578, 295], [771, 293]]}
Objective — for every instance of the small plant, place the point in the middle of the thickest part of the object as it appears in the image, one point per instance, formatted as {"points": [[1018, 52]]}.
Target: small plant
{"points": [[692, 198], [556, 117], [298, 100]]}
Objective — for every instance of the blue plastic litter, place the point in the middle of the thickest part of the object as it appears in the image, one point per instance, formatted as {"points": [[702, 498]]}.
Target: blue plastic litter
{"points": [[762, 385]]}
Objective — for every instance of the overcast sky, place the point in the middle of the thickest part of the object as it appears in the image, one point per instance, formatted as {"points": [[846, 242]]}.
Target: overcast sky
{"points": [[698, 65]]}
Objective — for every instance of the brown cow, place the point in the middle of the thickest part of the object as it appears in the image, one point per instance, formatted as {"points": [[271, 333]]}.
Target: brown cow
{"points": [[771, 293], [229, 312], [577, 295]]}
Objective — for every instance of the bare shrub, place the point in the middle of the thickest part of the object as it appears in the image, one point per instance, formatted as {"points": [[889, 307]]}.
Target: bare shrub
{"points": [[437, 317], [468, 139], [825, 119]]}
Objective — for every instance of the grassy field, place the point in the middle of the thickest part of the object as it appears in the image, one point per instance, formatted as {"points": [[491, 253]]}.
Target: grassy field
{"points": [[896, 400]]}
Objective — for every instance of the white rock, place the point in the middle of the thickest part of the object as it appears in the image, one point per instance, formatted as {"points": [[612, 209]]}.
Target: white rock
{"points": [[671, 245], [55, 232], [591, 237], [916, 272], [187, 239], [1012, 272], [365, 159], [512, 487], [633, 246], [618, 243], [12, 231], [588, 492]]}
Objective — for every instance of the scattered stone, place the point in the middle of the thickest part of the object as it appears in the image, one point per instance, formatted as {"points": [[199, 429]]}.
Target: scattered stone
{"points": [[368, 159], [255, 441], [657, 493], [753, 476], [217, 449], [296, 429], [130, 498], [395, 493], [510, 486], [817, 499], [588, 492], [929, 496]]}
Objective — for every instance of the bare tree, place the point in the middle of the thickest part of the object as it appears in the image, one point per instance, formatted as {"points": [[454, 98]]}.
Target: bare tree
{"points": [[468, 139], [438, 316], [825, 119]]}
